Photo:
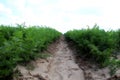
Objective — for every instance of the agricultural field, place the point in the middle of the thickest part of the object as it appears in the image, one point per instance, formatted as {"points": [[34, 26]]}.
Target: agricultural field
{"points": [[21, 44], [97, 45]]}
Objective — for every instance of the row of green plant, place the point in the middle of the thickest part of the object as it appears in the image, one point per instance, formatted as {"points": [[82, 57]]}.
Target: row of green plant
{"points": [[22, 44], [96, 44]]}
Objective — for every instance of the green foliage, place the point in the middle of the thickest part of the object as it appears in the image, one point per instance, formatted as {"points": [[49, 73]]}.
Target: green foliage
{"points": [[114, 65], [20, 44], [95, 44], [114, 38], [118, 39]]}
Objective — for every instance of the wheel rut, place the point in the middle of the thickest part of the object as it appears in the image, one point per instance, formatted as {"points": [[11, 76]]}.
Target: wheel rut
{"points": [[60, 66]]}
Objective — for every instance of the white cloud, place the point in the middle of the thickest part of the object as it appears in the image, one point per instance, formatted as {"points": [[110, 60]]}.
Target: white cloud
{"points": [[7, 17], [4, 9], [64, 14]]}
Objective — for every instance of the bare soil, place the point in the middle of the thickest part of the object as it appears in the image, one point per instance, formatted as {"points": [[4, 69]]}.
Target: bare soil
{"points": [[62, 65]]}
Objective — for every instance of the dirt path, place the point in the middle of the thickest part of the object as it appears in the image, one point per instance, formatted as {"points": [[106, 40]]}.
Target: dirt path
{"points": [[61, 66]]}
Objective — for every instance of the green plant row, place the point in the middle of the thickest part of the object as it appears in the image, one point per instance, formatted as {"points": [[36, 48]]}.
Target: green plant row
{"points": [[95, 44], [22, 44]]}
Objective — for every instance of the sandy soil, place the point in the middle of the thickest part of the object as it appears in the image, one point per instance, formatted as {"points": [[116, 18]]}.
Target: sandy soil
{"points": [[60, 66], [63, 65]]}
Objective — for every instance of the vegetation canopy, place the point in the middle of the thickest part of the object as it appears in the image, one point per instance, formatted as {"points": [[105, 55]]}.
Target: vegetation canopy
{"points": [[20, 44], [97, 45]]}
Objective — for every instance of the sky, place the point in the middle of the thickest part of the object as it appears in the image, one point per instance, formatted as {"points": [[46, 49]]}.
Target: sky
{"points": [[62, 15]]}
